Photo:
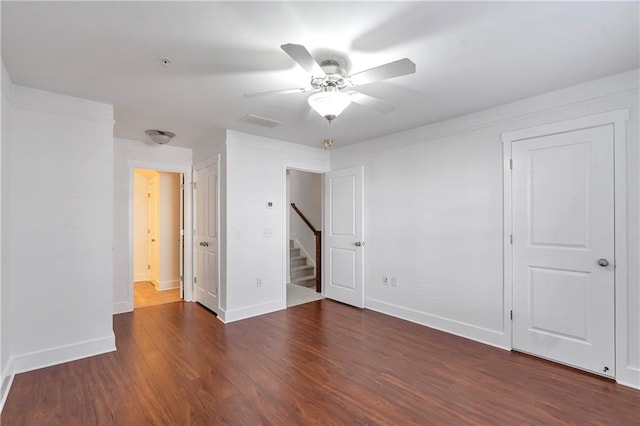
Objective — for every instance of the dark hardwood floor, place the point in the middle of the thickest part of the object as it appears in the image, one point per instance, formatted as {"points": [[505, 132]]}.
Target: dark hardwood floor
{"points": [[318, 363]]}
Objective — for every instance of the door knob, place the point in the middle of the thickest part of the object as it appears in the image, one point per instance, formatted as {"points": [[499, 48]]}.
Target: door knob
{"points": [[358, 244], [153, 240], [603, 262]]}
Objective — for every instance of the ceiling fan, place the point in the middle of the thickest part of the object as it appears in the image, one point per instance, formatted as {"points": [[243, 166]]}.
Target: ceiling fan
{"points": [[334, 86]]}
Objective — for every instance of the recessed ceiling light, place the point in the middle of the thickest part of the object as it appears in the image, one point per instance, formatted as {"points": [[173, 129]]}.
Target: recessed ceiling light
{"points": [[166, 61]]}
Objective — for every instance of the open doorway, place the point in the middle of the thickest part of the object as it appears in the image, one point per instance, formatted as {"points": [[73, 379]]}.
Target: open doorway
{"points": [[157, 237], [304, 236]]}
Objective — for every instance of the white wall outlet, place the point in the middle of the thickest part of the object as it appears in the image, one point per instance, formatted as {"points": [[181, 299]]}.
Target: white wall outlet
{"points": [[394, 282], [259, 282], [267, 233], [385, 279]]}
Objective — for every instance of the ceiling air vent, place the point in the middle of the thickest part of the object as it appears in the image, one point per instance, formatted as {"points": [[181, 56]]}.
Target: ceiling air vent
{"points": [[260, 121]]}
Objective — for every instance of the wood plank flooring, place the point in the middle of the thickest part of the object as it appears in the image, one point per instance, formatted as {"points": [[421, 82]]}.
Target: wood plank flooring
{"points": [[318, 363], [145, 294]]}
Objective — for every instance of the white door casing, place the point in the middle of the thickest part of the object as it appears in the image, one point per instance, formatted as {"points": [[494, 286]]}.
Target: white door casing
{"points": [[181, 235], [563, 224], [343, 239], [153, 230], [206, 278]]}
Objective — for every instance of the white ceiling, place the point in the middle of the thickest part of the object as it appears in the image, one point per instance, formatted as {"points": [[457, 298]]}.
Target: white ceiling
{"points": [[469, 56]]}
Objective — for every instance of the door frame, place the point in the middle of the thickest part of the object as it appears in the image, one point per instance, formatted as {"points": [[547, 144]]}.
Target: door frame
{"points": [[301, 167], [618, 119], [188, 233]]}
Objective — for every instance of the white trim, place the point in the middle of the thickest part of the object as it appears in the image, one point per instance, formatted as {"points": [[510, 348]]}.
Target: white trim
{"points": [[596, 120], [254, 310], [624, 373], [567, 99], [141, 276], [7, 381], [303, 167], [468, 331], [61, 354], [188, 233], [507, 253], [31, 99], [215, 158], [167, 285]]}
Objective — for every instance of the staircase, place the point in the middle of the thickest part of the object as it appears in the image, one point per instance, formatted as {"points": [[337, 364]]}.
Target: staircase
{"points": [[301, 273]]}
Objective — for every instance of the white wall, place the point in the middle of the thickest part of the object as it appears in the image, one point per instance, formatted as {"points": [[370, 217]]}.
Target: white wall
{"points": [[140, 226], [306, 194], [129, 155], [433, 214], [256, 173], [60, 212], [169, 231]]}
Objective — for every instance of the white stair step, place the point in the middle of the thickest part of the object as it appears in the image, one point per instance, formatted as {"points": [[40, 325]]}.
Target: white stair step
{"points": [[303, 279], [299, 268]]}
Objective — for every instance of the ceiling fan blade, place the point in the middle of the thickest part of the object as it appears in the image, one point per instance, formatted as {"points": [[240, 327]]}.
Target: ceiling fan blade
{"points": [[301, 55], [274, 92], [371, 102], [383, 72]]}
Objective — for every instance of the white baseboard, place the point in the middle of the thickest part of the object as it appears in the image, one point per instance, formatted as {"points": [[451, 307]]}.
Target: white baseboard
{"points": [[141, 276], [166, 285], [58, 355], [122, 307], [7, 381], [252, 311], [629, 376], [222, 315], [468, 331]]}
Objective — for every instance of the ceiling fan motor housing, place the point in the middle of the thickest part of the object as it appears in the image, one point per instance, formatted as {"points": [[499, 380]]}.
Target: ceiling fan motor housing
{"points": [[335, 76]]}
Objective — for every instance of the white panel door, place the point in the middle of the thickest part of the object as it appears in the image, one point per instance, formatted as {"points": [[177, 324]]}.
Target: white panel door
{"points": [[563, 248], [344, 245], [206, 237]]}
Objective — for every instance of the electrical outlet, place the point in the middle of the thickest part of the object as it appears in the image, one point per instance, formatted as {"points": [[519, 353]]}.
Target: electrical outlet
{"points": [[394, 282], [385, 279], [259, 282]]}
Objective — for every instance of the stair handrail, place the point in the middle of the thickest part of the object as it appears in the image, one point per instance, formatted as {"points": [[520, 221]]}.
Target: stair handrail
{"points": [[304, 218], [318, 235]]}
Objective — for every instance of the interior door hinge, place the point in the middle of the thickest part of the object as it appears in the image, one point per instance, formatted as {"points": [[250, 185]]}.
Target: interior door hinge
{"points": [[511, 239], [511, 164], [511, 315], [148, 195], [149, 267], [182, 186], [195, 280], [194, 185], [181, 278]]}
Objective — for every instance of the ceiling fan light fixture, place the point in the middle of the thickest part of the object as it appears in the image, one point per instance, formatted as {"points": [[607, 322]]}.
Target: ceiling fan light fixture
{"points": [[159, 136], [329, 104]]}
